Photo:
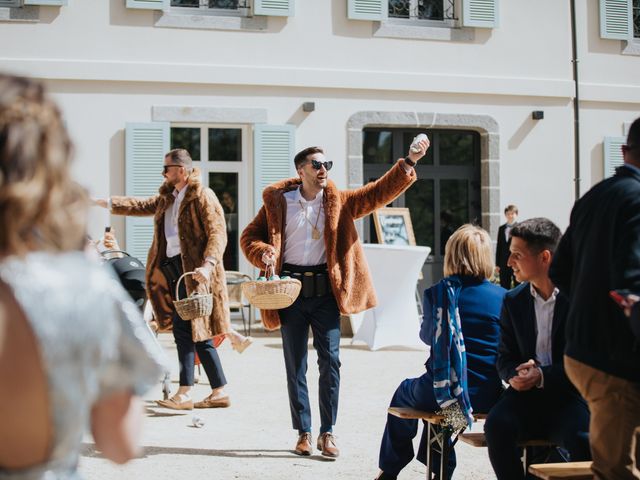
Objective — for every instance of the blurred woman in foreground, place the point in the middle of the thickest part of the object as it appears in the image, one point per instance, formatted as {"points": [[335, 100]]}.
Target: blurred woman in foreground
{"points": [[73, 349]]}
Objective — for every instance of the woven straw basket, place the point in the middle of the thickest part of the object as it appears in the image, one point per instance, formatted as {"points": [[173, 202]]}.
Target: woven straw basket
{"points": [[194, 306], [272, 294]]}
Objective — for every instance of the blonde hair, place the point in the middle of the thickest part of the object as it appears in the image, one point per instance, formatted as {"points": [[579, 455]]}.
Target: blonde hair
{"points": [[41, 208], [468, 252]]}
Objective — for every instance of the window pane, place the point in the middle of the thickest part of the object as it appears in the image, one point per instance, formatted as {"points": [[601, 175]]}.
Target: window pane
{"points": [[185, 3], [456, 148], [430, 9], [454, 208], [187, 138], [399, 8], [228, 4], [636, 18], [377, 147], [407, 139], [225, 185], [419, 199], [225, 145]]}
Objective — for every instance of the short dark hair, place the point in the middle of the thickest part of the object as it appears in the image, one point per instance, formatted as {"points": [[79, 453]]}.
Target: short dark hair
{"points": [[633, 141], [302, 155], [511, 208], [180, 156], [540, 234]]}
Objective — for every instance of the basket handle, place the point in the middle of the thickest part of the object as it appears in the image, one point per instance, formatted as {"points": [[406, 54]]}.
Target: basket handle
{"points": [[178, 283], [271, 267]]}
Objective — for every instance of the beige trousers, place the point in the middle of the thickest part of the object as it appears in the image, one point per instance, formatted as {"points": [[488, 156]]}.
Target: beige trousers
{"points": [[614, 404]]}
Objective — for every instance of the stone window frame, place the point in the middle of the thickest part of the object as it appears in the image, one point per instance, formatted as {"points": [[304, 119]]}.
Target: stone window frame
{"points": [[485, 125]]}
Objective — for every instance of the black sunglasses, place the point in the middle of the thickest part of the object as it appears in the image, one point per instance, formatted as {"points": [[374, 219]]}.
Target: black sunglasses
{"points": [[318, 165], [165, 168]]}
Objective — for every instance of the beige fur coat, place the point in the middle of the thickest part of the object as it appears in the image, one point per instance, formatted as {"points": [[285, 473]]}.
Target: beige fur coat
{"points": [[347, 266], [202, 231]]}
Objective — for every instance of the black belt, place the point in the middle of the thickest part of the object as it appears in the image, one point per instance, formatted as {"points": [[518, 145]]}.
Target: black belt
{"points": [[314, 278]]}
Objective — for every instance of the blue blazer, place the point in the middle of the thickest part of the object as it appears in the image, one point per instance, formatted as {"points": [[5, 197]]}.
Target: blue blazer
{"points": [[479, 305], [518, 337]]}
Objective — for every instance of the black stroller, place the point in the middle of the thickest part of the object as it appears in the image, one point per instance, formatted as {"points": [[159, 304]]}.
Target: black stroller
{"points": [[131, 273]]}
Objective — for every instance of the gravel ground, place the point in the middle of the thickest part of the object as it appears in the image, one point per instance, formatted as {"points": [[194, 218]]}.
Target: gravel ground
{"points": [[253, 439]]}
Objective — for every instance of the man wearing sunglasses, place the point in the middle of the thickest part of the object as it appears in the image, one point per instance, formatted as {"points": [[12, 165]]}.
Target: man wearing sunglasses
{"points": [[306, 229], [190, 235]]}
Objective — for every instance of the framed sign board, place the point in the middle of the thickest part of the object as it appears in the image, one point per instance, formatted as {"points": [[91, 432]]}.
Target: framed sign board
{"points": [[393, 226]]}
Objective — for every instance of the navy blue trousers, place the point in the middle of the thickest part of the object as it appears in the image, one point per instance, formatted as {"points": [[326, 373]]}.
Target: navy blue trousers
{"points": [[323, 316], [186, 352], [537, 414], [396, 450]]}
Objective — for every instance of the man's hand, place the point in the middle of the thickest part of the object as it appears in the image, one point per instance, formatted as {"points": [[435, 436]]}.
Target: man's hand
{"points": [[424, 146], [203, 274], [528, 377], [269, 257], [100, 202]]}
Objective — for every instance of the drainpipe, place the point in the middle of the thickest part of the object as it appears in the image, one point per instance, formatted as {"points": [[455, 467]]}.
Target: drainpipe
{"points": [[576, 102]]}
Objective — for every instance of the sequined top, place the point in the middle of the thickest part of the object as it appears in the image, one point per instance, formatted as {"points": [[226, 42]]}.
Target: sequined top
{"points": [[92, 340]]}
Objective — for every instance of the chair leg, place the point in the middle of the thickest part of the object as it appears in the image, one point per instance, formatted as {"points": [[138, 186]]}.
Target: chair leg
{"points": [[244, 322]]}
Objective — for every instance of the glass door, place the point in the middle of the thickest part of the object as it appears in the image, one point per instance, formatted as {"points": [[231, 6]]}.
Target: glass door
{"points": [[446, 194], [221, 153]]}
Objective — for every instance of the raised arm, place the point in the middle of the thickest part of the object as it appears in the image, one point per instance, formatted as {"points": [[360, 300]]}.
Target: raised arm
{"points": [[364, 200], [135, 207]]}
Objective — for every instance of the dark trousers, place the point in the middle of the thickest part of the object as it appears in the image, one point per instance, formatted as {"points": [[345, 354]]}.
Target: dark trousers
{"points": [[396, 450], [323, 316], [537, 414], [186, 352]]}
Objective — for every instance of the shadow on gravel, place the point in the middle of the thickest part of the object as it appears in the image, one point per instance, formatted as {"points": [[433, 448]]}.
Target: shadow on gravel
{"points": [[89, 450]]}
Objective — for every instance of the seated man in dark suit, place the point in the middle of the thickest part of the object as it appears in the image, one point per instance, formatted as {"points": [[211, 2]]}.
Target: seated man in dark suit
{"points": [[541, 403]]}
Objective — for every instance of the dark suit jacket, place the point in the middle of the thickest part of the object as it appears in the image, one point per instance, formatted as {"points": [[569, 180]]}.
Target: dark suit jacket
{"points": [[599, 252], [518, 337], [502, 249]]}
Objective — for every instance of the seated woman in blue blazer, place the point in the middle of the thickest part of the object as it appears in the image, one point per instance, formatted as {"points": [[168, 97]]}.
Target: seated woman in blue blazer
{"points": [[467, 306]]}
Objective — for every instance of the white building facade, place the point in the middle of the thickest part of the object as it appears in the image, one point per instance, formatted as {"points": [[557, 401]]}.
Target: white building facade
{"points": [[245, 84]]}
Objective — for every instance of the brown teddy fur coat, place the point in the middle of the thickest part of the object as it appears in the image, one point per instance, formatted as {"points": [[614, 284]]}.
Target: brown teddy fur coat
{"points": [[346, 263], [203, 233]]}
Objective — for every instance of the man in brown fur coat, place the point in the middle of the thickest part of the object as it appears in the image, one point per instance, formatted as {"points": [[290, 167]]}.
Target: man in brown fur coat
{"points": [[189, 235], [306, 228]]}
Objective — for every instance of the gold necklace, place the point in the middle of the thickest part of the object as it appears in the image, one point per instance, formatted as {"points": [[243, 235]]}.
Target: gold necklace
{"points": [[315, 233]]}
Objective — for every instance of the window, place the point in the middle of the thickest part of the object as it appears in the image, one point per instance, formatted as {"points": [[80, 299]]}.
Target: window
{"points": [[214, 7], [636, 18], [422, 9], [218, 152], [447, 192]]}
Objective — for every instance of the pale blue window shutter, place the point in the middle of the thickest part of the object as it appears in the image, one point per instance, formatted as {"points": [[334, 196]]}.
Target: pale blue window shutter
{"points": [[274, 147], [148, 4], [146, 145], [480, 13], [56, 3], [10, 3], [616, 19], [278, 8], [376, 10], [612, 154]]}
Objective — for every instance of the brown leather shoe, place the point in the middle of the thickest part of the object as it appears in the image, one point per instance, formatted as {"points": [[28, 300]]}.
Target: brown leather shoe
{"points": [[303, 446], [177, 402], [327, 445], [216, 402]]}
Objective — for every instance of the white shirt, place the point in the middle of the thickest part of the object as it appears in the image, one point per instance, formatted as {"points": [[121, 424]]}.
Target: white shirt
{"points": [[171, 223], [299, 247], [544, 324], [507, 231]]}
